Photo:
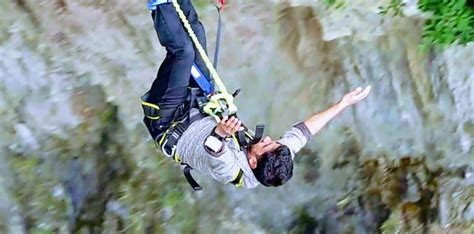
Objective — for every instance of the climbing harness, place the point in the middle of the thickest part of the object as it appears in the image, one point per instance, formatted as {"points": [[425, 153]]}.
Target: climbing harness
{"points": [[168, 140]]}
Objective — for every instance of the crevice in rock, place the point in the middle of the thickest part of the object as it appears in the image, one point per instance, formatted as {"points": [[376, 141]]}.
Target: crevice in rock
{"points": [[27, 9]]}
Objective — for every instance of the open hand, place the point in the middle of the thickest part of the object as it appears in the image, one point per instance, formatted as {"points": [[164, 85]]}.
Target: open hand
{"points": [[228, 126], [355, 96]]}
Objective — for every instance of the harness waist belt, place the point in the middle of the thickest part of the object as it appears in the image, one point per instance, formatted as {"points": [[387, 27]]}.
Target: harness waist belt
{"points": [[170, 138], [153, 111]]}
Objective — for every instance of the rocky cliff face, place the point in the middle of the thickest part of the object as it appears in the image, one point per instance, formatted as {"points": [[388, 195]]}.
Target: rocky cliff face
{"points": [[75, 154]]}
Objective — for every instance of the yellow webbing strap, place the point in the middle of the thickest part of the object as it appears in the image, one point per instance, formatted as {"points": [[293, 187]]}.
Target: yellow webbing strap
{"points": [[177, 158], [166, 133], [217, 101], [238, 179], [150, 110], [223, 96], [150, 105], [236, 142]]}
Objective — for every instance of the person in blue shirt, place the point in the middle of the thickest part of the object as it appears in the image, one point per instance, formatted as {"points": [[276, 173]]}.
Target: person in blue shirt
{"points": [[169, 90]]}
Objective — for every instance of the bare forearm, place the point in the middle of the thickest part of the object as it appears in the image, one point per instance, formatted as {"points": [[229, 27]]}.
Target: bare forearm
{"points": [[318, 121]]}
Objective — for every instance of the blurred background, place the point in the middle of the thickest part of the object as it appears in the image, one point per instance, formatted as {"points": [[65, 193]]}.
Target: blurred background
{"points": [[75, 156]]}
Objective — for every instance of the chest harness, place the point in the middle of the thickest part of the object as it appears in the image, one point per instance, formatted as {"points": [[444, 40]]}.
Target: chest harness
{"points": [[216, 103]]}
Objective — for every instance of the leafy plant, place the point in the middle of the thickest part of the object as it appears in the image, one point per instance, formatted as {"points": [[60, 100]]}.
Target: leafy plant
{"points": [[395, 6], [335, 3], [452, 21]]}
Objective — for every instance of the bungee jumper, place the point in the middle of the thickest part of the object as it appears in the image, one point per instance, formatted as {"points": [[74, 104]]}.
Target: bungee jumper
{"points": [[193, 120]]}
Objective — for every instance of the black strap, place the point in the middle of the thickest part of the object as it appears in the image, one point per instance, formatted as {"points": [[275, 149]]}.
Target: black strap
{"points": [[183, 115], [238, 178], [247, 139], [218, 37], [177, 131], [187, 173], [258, 134], [241, 138]]}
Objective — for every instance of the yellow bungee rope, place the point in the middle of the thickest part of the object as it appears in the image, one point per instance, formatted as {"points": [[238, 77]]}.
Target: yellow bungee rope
{"points": [[221, 103]]}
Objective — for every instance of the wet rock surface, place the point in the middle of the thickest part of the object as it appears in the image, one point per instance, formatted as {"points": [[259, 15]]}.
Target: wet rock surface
{"points": [[75, 156]]}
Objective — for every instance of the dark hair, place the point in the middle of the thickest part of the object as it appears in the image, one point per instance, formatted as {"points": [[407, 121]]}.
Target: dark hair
{"points": [[275, 168]]}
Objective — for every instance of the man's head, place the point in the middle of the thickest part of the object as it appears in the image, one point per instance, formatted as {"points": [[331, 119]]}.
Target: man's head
{"points": [[271, 162]]}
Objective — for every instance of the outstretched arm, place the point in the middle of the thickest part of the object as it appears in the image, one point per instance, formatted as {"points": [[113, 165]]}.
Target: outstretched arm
{"points": [[318, 121]]}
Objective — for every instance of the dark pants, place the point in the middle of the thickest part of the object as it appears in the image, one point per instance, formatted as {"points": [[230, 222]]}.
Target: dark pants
{"points": [[170, 88]]}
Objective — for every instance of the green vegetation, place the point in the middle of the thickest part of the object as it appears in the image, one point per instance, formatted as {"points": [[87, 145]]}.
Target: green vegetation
{"points": [[451, 22], [394, 7], [199, 4], [335, 3], [33, 188]]}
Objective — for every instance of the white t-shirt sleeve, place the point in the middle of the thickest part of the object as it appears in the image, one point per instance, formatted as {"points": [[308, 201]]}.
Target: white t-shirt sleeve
{"points": [[223, 165], [296, 138]]}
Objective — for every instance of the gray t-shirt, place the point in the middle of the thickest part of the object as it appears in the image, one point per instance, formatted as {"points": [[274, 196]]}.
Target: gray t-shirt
{"points": [[225, 165]]}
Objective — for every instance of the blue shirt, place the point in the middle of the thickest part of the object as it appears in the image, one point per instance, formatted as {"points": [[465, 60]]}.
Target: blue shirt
{"points": [[153, 3]]}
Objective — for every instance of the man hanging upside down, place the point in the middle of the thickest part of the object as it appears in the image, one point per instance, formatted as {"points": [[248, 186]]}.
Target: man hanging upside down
{"points": [[203, 144]]}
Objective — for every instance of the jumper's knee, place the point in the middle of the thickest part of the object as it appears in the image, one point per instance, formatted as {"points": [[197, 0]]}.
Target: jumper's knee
{"points": [[185, 53]]}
